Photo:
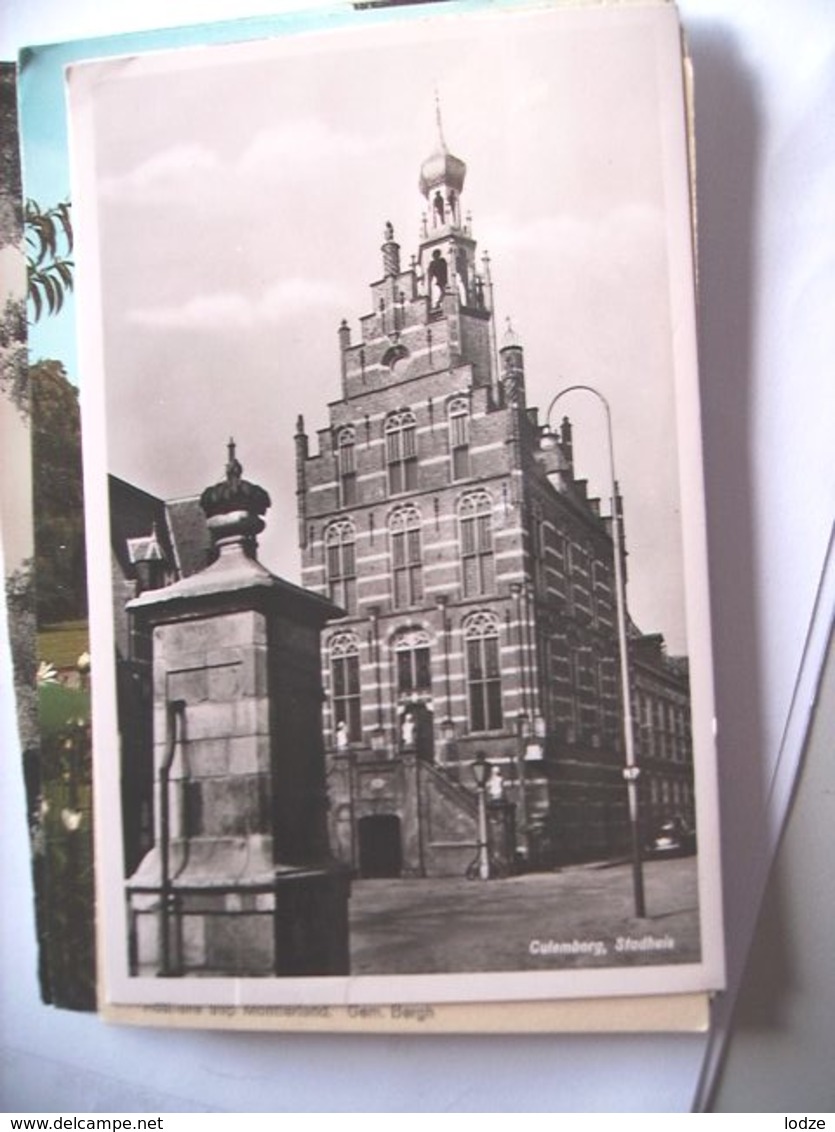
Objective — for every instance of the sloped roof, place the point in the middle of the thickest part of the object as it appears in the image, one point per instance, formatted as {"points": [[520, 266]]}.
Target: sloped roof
{"points": [[180, 525], [133, 515], [189, 535]]}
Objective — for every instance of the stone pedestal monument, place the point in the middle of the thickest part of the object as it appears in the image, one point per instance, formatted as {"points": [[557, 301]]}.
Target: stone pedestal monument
{"points": [[240, 881]]}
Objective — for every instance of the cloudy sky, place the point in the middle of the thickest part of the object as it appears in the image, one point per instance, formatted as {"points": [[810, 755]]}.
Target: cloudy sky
{"points": [[239, 196]]}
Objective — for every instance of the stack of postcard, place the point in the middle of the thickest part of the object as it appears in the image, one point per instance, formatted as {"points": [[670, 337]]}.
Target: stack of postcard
{"points": [[396, 708]]}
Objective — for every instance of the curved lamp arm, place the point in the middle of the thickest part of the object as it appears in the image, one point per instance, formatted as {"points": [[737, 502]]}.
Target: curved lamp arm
{"points": [[631, 770]]}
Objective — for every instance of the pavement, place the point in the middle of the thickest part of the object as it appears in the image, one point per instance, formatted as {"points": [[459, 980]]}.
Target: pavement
{"points": [[580, 916]]}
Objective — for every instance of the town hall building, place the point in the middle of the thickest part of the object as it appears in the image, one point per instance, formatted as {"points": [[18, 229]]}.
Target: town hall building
{"points": [[472, 590], [477, 580]]}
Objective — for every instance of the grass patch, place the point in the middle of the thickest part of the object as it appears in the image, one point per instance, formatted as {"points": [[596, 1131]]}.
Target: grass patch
{"points": [[63, 644]]}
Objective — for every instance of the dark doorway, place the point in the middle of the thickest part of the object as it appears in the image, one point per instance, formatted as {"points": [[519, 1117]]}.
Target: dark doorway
{"points": [[381, 853]]}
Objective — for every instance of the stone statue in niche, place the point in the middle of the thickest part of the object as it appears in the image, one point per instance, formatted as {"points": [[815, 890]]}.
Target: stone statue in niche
{"points": [[462, 271], [495, 785], [438, 274], [408, 732]]}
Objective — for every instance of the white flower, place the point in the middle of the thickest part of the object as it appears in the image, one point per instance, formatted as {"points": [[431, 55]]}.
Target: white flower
{"points": [[83, 663], [71, 819], [47, 673]]}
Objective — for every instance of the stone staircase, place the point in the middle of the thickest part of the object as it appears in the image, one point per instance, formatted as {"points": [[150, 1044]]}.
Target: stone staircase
{"points": [[449, 822]]}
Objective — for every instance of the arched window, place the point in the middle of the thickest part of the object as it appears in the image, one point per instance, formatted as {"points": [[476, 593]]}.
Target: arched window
{"points": [[414, 672], [346, 467], [459, 438], [345, 687], [407, 569], [394, 356], [484, 681], [341, 563], [401, 452], [475, 520]]}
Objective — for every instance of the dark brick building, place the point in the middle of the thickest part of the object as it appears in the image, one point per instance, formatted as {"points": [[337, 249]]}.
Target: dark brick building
{"points": [[661, 714], [153, 543]]}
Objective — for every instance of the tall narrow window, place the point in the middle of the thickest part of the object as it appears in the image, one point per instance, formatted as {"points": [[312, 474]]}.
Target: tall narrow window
{"points": [[345, 687], [459, 438], [475, 518], [404, 529], [401, 452], [484, 682], [538, 549], [567, 573], [341, 561], [346, 467], [414, 673], [581, 577], [647, 727]]}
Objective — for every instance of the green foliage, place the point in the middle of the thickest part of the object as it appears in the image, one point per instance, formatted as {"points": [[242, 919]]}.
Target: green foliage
{"points": [[11, 211], [20, 605], [13, 360], [12, 324], [60, 707], [64, 842], [49, 244], [58, 495]]}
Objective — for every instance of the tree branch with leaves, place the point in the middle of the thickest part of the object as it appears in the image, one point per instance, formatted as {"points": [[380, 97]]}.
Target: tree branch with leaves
{"points": [[49, 266]]}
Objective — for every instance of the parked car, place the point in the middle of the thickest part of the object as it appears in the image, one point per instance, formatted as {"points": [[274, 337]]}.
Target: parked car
{"points": [[673, 838]]}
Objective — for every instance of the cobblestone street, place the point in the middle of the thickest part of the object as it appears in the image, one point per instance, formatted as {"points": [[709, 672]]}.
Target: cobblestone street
{"points": [[579, 917]]}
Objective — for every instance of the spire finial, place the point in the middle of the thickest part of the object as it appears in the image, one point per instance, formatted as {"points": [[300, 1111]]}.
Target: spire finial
{"points": [[511, 338], [233, 465], [438, 120], [442, 171]]}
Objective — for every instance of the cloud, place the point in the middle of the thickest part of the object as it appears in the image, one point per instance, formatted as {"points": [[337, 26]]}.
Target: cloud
{"points": [[297, 295], [291, 148], [630, 225], [232, 310], [189, 172], [162, 177]]}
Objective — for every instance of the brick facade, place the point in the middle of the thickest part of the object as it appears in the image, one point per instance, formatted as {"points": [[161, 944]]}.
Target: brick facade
{"points": [[476, 573]]}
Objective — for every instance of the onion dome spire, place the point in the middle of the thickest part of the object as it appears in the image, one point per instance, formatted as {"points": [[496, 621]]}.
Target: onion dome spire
{"points": [[442, 173]]}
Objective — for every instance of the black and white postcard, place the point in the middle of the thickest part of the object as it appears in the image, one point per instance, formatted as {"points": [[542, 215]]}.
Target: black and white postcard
{"points": [[399, 610]]}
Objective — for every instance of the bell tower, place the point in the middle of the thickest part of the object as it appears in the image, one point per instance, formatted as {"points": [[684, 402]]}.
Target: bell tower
{"points": [[447, 249], [432, 315]]}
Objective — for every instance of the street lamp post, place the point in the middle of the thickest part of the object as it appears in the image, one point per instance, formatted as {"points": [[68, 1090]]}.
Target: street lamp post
{"points": [[481, 772], [522, 732], [631, 770]]}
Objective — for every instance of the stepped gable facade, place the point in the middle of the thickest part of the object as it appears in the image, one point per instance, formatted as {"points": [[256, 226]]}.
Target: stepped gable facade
{"points": [[476, 573]]}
